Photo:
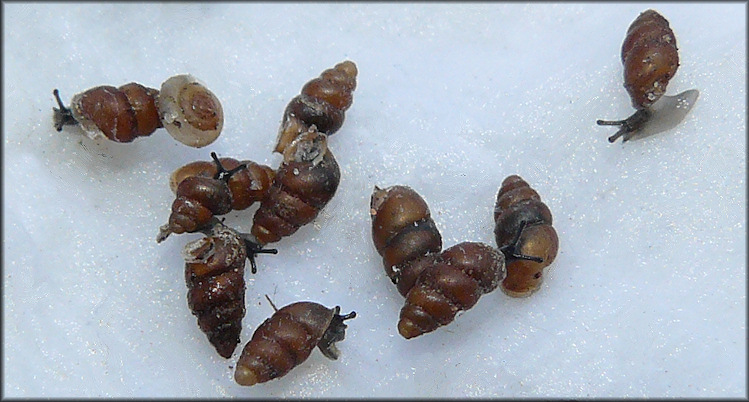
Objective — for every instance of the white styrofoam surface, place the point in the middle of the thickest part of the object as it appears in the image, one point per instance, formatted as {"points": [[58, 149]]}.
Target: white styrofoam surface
{"points": [[646, 298]]}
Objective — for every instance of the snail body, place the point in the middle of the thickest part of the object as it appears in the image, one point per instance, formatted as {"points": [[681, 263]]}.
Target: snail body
{"points": [[306, 180], [214, 272], [322, 103], [650, 59], [189, 112], [524, 233], [287, 338]]}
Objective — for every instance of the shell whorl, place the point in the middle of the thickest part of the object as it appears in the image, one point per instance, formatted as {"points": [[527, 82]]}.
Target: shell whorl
{"points": [[322, 102]]}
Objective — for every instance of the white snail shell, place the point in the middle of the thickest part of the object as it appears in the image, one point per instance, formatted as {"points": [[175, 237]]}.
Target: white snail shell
{"points": [[189, 111]]}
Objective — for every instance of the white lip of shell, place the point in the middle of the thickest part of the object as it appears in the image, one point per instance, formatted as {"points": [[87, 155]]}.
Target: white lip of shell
{"points": [[172, 117]]}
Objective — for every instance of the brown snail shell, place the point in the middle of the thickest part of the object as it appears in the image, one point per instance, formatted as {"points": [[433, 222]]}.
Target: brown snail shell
{"points": [[322, 103], [404, 234], [198, 200], [454, 283], [246, 186], [287, 338], [650, 58], [304, 183], [214, 272], [523, 229], [119, 114]]}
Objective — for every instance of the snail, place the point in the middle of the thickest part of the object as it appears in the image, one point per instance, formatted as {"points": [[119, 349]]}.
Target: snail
{"points": [[188, 111], [437, 285], [246, 186], [199, 198], [206, 189], [304, 183], [524, 234], [322, 103], [650, 58], [287, 338], [214, 272]]}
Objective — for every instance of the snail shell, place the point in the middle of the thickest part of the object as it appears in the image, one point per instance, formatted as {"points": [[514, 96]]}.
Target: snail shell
{"points": [[404, 234], [650, 58], [304, 183], [523, 228], [246, 186], [287, 338], [198, 200], [322, 103], [189, 111], [214, 272], [453, 283], [119, 114]]}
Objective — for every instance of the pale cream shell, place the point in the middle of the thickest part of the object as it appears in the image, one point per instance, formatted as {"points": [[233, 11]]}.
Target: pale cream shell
{"points": [[173, 116]]}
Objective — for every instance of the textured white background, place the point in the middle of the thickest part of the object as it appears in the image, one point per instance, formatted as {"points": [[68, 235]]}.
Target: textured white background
{"points": [[646, 298]]}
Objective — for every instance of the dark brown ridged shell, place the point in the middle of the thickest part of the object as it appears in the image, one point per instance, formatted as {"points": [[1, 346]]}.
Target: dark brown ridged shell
{"points": [[246, 186], [437, 285], [650, 58], [455, 282], [518, 204], [286, 339], [304, 183], [121, 114], [198, 200], [214, 272], [322, 103], [404, 234]]}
